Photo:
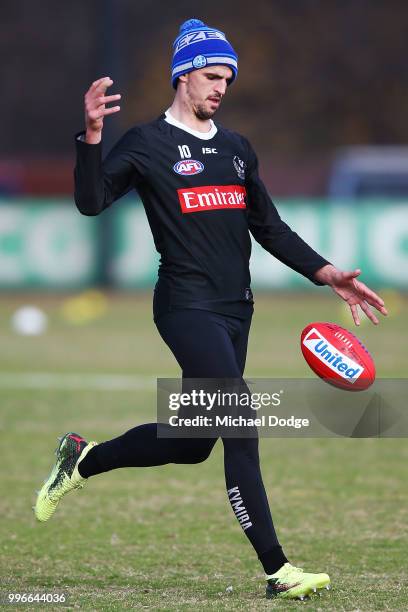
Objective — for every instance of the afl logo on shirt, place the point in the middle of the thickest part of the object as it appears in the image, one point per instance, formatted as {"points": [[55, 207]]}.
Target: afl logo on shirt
{"points": [[186, 167]]}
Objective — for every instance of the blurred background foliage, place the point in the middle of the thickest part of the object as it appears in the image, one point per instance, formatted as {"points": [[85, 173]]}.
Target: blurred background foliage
{"points": [[314, 74]]}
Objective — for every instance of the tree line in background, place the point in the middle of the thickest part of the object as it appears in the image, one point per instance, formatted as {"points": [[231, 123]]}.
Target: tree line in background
{"points": [[313, 74]]}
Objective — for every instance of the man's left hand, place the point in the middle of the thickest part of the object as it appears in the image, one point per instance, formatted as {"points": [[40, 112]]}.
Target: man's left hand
{"points": [[352, 291]]}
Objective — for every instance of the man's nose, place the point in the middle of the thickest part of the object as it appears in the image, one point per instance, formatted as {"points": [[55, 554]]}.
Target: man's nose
{"points": [[221, 87]]}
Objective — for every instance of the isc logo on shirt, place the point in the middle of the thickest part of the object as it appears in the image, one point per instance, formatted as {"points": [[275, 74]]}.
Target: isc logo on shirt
{"points": [[188, 167], [211, 197]]}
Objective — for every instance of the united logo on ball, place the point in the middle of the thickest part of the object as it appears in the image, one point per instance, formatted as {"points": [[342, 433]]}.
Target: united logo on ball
{"points": [[337, 356]]}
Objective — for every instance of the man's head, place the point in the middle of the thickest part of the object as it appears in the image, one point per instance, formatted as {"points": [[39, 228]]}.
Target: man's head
{"points": [[197, 47], [202, 90]]}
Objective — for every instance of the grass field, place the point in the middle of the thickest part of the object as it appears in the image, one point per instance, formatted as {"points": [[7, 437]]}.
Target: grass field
{"points": [[165, 538]]}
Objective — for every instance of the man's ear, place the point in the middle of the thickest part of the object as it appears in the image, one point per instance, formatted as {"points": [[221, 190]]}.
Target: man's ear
{"points": [[183, 78]]}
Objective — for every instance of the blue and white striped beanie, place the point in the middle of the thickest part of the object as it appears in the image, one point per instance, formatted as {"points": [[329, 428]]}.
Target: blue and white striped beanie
{"points": [[197, 46]]}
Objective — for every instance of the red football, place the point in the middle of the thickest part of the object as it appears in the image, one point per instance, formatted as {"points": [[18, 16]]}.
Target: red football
{"points": [[337, 356]]}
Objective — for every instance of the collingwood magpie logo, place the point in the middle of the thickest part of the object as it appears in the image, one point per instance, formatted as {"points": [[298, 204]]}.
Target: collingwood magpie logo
{"points": [[239, 166]]}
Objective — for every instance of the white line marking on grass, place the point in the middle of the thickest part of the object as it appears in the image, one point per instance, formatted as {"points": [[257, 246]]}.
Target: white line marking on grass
{"points": [[76, 381]]}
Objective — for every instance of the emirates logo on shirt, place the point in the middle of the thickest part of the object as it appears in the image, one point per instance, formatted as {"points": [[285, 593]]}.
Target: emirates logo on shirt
{"points": [[212, 197]]}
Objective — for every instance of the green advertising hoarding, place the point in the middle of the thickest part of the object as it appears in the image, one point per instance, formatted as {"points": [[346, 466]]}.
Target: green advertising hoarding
{"points": [[371, 235], [49, 244], [46, 244]]}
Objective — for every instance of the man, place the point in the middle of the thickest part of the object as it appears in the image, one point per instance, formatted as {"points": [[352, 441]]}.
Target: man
{"points": [[202, 195]]}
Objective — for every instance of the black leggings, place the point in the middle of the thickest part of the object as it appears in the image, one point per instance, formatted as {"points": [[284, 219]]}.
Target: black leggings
{"points": [[206, 345]]}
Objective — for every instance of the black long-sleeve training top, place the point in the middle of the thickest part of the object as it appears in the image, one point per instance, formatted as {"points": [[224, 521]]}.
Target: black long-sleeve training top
{"points": [[202, 199]]}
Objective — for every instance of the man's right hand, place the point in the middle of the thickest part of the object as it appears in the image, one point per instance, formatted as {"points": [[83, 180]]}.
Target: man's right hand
{"points": [[95, 109]]}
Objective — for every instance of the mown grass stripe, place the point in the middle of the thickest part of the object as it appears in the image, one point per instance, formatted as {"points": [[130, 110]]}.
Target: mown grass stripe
{"points": [[75, 381]]}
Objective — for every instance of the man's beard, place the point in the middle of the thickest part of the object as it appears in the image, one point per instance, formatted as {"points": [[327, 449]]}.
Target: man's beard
{"points": [[202, 113], [200, 110]]}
